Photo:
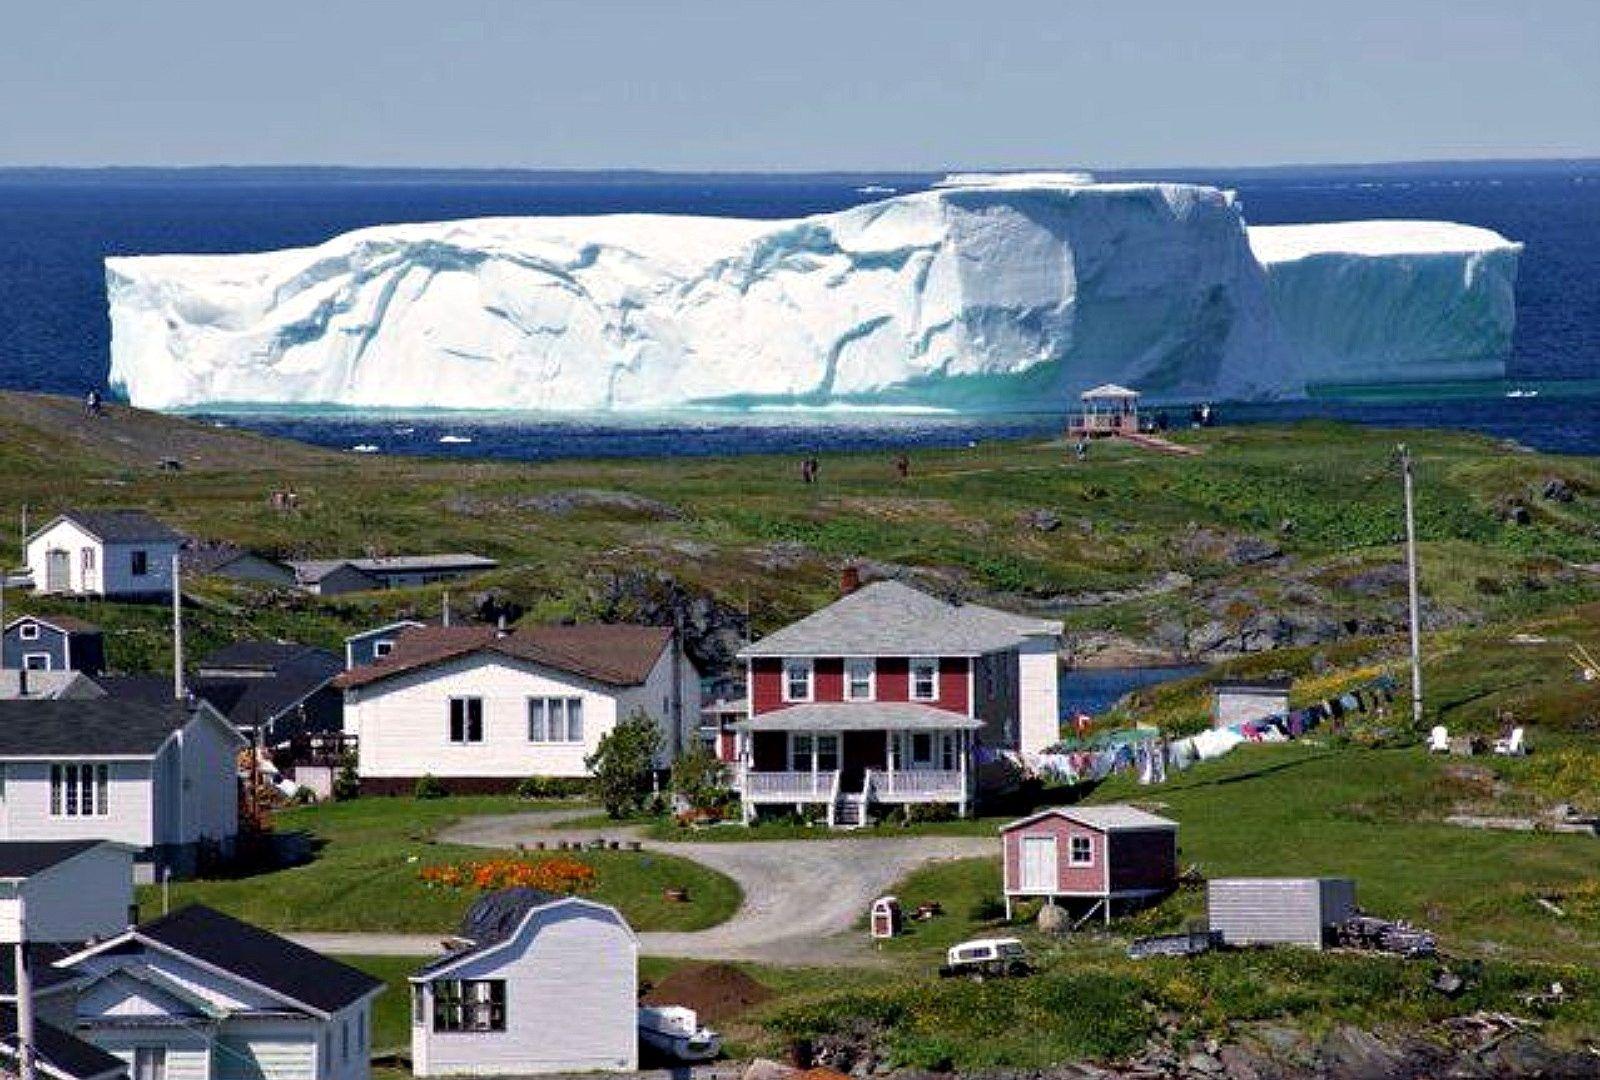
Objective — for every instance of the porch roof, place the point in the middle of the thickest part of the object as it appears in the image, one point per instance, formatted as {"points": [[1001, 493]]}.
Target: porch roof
{"points": [[859, 716]]}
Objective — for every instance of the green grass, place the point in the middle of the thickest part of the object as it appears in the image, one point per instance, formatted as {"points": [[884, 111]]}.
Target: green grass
{"points": [[365, 875], [391, 1014]]}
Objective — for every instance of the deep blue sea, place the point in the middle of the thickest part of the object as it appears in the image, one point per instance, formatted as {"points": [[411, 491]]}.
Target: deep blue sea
{"points": [[56, 226]]}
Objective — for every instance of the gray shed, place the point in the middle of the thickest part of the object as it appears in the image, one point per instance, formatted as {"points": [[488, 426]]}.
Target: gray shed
{"points": [[1279, 911]]}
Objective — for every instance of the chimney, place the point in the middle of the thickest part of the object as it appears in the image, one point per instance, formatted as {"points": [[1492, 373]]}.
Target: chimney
{"points": [[849, 579]]}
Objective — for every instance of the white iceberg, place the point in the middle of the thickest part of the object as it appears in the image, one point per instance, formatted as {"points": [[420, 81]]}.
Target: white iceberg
{"points": [[991, 293]]}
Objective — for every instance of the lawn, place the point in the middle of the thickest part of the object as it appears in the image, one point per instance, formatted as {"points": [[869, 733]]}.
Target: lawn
{"points": [[365, 874]]}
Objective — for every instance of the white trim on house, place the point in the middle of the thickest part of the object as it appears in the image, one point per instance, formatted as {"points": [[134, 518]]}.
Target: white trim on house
{"points": [[810, 666], [872, 678], [911, 677]]}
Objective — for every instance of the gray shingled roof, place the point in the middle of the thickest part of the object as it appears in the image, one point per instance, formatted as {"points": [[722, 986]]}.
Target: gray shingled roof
{"points": [[92, 727], [1117, 818], [859, 716], [888, 618], [453, 560], [118, 526]]}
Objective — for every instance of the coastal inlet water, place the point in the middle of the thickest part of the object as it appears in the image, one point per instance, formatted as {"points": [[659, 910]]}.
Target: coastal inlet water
{"points": [[1095, 690], [56, 227]]}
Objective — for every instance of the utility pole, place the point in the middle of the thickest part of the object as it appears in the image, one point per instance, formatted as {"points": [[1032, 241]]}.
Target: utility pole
{"points": [[1411, 586], [177, 631], [25, 1053]]}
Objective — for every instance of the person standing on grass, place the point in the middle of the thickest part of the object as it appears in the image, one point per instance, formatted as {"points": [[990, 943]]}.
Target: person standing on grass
{"points": [[902, 466]]}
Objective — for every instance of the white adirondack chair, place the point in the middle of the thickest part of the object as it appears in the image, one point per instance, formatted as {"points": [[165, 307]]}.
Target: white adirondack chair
{"points": [[1439, 740], [1513, 745]]}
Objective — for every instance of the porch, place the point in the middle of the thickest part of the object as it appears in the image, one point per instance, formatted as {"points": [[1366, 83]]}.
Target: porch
{"points": [[850, 758]]}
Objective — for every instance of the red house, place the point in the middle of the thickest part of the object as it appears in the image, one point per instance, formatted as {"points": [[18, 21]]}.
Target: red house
{"points": [[1093, 856], [882, 698]]}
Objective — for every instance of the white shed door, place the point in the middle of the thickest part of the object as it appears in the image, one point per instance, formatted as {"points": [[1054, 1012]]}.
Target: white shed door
{"points": [[1039, 864], [57, 570]]}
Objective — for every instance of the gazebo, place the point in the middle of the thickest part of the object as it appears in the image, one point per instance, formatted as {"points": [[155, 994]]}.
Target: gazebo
{"points": [[1107, 410]]}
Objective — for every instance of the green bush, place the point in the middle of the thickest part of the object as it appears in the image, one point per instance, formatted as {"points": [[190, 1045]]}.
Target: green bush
{"points": [[920, 813], [701, 780], [623, 765], [347, 783], [429, 787], [553, 787]]}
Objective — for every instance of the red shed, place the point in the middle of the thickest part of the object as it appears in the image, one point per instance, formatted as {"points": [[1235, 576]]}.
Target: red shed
{"points": [[1096, 854]]}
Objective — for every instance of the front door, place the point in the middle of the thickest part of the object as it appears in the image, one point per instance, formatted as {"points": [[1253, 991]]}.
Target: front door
{"points": [[863, 750], [1039, 864], [57, 571]]}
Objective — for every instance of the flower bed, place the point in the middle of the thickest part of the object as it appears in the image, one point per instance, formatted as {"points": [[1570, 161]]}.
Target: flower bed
{"points": [[562, 876]]}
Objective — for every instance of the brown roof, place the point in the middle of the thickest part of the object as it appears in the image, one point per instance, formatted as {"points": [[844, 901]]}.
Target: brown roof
{"points": [[617, 654]]}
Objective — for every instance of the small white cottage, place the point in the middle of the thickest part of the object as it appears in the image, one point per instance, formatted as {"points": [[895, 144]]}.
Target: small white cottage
{"points": [[541, 984], [198, 995], [125, 554]]}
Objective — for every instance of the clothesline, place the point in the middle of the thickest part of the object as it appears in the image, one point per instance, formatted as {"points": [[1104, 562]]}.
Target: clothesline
{"points": [[1151, 755]]}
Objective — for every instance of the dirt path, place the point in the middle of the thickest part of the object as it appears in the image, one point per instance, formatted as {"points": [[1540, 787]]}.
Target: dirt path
{"points": [[801, 897]]}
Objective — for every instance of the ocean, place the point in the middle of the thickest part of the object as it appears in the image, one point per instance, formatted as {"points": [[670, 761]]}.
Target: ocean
{"points": [[56, 227]]}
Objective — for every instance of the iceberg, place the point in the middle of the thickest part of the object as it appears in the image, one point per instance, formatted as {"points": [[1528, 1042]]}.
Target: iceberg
{"points": [[984, 293]]}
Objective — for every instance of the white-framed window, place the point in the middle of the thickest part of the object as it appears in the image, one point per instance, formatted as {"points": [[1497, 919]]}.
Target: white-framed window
{"points": [[797, 680], [138, 562], [80, 790], [921, 749], [419, 1005], [469, 1005], [150, 1063], [555, 720], [1080, 851], [87, 562], [466, 720], [37, 661], [28, 631], [380, 649], [925, 679], [860, 679], [813, 753], [949, 749]]}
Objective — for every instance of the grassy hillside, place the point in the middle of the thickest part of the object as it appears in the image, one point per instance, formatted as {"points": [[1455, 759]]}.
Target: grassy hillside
{"points": [[1275, 536]]}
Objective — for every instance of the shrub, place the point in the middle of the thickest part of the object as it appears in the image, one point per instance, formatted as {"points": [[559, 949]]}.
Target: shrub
{"points": [[623, 765], [347, 782], [915, 813], [988, 909], [552, 787], [701, 781], [429, 787]]}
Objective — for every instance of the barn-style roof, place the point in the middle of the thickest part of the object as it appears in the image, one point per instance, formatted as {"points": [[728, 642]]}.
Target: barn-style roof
{"points": [[890, 618]]}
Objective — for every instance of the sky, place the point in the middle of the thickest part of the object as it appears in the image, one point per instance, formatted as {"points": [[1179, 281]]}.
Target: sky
{"points": [[815, 85]]}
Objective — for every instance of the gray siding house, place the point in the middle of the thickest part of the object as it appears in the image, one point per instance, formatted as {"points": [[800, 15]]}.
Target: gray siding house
{"points": [[197, 995], [53, 643], [234, 563], [161, 779], [370, 646]]}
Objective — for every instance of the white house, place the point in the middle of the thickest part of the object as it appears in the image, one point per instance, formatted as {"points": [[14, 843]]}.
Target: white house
{"points": [[542, 984], [113, 553], [197, 995], [162, 779], [480, 709]]}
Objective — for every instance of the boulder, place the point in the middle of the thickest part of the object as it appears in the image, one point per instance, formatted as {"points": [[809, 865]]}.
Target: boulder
{"points": [[767, 1069], [1040, 519]]}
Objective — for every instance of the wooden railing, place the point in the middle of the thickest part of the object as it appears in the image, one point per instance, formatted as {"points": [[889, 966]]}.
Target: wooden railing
{"points": [[790, 786], [917, 784]]}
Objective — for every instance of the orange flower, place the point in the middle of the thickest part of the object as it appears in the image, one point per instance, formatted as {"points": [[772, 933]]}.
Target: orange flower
{"points": [[556, 875]]}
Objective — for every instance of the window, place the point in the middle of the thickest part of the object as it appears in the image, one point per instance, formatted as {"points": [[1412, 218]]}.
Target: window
{"points": [[380, 649], [36, 661], [419, 1005], [466, 720], [921, 749], [860, 677], [924, 680], [799, 753], [948, 746], [86, 559], [465, 1005], [555, 720], [79, 790], [1081, 851], [28, 631], [827, 753], [138, 563], [150, 1063], [797, 680]]}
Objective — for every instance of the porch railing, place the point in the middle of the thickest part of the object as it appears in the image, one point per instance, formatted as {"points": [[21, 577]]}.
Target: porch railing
{"points": [[790, 786], [913, 785]]}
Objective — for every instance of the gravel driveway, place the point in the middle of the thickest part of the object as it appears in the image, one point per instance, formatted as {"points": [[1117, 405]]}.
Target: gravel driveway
{"points": [[801, 897]]}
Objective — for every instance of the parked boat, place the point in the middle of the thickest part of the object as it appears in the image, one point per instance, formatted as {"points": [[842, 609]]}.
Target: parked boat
{"points": [[676, 1032]]}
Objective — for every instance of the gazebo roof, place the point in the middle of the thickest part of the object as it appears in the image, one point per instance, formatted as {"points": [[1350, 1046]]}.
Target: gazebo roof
{"points": [[1109, 390]]}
